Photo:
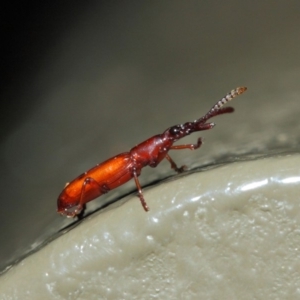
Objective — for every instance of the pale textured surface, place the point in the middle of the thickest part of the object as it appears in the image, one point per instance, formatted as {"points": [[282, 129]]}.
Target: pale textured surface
{"points": [[232, 232]]}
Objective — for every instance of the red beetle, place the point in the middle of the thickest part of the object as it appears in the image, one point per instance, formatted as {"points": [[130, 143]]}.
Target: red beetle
{"points": [[125, 166]]}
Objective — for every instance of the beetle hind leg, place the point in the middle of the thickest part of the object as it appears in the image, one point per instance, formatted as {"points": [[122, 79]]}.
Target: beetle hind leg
{"points": [[100, 188]]}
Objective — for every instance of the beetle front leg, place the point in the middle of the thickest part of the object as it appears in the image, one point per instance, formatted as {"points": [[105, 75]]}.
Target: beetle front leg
{"points": [[180, 147], [140, 192], [188, 146]]}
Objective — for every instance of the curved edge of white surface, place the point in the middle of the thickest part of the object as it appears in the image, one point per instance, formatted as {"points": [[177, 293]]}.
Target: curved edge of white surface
{"points": [[232, 232]]}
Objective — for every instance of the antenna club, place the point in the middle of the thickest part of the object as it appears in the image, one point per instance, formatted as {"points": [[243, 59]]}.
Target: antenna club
{"points": [[240, 90], [234, 93]]}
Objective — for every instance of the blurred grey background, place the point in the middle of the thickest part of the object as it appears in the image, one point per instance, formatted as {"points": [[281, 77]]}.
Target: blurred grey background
{"points": [[81, 82]]}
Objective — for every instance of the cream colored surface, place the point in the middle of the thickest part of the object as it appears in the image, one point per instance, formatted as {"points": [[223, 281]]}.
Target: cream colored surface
{"points": [[232, 232]]}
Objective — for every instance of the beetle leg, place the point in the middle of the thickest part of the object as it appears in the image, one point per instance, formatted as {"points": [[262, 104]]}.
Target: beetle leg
{"points": [[188, 146], [173, 164], [180, 147], [89, 180], [140, 192]]}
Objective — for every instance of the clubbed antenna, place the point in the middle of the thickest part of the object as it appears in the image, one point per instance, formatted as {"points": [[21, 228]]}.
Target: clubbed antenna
{"points": [[217, 108]]}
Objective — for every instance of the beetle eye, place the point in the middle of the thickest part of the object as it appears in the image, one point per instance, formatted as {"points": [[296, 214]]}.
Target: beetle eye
{"points": [[174, 130]]}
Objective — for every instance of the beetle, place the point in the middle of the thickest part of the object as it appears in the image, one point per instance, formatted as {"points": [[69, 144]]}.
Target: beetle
{"points": [[121, 168]]}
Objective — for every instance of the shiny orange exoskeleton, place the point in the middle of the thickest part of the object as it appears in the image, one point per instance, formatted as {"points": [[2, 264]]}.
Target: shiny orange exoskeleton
{"points": [[123, 167]]}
